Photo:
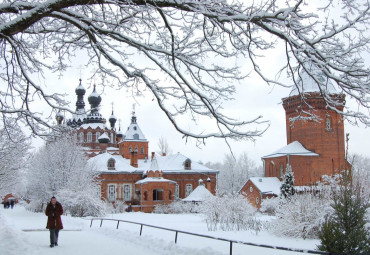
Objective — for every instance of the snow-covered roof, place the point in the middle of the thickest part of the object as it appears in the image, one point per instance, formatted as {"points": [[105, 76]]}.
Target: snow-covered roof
{"points": [[199, 194], [154, 179], [307, 84], [267, 185], [168, 164], [93, 126], [104, 136], [121, 164], [113, 149], [294, 148], [134, 133]]}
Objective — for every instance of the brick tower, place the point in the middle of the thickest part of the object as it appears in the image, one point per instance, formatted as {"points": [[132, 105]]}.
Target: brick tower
{"points": [[321, 137]]}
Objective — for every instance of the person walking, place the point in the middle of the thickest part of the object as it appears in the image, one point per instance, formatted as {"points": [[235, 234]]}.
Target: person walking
{"points": [[12, 202], [54, 210]]}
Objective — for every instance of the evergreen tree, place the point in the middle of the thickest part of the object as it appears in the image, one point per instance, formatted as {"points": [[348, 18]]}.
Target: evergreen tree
{"points": [[344, 231], [287, 188]]}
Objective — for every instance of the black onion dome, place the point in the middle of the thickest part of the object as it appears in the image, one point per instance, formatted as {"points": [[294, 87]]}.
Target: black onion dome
{"points": [[80, 90], [103, 138], [94, 99]]}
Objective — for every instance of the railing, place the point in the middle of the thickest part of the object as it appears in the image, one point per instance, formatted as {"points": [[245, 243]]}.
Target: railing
{"points": [[231, 242]]}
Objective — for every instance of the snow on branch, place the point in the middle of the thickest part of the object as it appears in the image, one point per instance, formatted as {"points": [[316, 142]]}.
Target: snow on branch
{"points": [[195, 47]]}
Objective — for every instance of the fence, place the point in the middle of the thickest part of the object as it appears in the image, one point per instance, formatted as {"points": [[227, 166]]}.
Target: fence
{"points": [[231, 242]]}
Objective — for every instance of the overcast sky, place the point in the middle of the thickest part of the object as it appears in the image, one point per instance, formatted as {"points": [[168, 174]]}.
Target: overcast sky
{"points": [[253, 98]]}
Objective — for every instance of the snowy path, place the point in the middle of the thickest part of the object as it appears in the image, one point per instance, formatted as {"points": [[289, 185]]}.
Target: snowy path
{"points": [[81, 239]]}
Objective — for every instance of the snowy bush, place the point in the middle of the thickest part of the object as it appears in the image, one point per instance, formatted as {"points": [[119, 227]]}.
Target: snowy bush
{"points": [[81, 204], [176, 207], [230, 213], [36, 205], [270, 205], [300, 216], [120, 206]]}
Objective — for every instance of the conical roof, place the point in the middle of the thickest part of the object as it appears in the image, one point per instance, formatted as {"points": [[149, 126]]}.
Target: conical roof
{"points": [[307, 84]]}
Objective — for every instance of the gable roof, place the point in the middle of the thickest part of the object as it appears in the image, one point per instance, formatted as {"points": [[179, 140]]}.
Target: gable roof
{"points": [[199, 194], [294, 148], [267, 185], [134, 133]]}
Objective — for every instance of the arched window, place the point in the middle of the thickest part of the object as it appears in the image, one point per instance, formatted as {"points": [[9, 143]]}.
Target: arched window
{"points": [[187, 164], [89, 137], [142, 150], [111, 164], [328, 123], [136, 149], [130, 149], [136, 136], [251, 189], [81, 137], [257, 200], [97, 135]]}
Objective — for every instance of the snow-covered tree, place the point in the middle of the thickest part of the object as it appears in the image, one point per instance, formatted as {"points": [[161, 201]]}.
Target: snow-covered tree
{"points": [[234, 172], [14, 146], [60, 169], [287, 187], [188, 54], [345, 230], [163, 146]]}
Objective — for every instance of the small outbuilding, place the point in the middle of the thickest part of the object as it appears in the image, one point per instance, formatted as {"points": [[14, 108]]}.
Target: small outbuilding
{"points": [[199, 194], [258, 188]]}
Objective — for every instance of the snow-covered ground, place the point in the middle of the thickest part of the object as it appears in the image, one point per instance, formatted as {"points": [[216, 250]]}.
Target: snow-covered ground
{"points": [[23, 232]]}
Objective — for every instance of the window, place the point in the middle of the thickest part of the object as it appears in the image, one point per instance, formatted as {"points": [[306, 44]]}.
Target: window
{"points": [[112, 192], [157, 194], [142, 150], [281, 170], [136, 149], [89, 137], [97, 135], [81, 138], [188, 189], [187, 164], [251, 189], [177, 191], [257, 200], [111, 164], [126, 192], [130, 149], [328, 123], [136, 136], [111, 137]]}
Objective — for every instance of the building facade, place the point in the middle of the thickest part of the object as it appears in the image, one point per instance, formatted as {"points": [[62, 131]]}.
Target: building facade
{"points": [[127, 172]]}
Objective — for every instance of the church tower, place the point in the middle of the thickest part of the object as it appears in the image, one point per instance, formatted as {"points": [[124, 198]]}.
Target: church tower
{"points": [[79, 116], [134, 141], [315, 132]]}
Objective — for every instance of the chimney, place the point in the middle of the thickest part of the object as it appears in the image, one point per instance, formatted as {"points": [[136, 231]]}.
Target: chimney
{"points": [[208, 184], [134, 159], [153, 154], [164, 154]]}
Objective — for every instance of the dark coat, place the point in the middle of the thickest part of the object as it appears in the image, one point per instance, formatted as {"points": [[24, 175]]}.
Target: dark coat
{"points": [[54, 213]]}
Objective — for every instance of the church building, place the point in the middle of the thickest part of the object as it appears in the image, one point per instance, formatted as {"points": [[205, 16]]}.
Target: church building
{"points": [[315, 144], [128, 171]]}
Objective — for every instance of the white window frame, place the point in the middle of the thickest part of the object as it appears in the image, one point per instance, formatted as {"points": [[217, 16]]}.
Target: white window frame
{"points": [[89, 137], [128, 196], [257, 200], [81, 137], [97, 134], [251, 189], [112, 137], [328, 123], [188, 190], [177, 193], [110, 198]]}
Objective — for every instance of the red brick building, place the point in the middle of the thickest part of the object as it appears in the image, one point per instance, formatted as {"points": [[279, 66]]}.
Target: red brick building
{"points": [[315, 144], [128, 173]]}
